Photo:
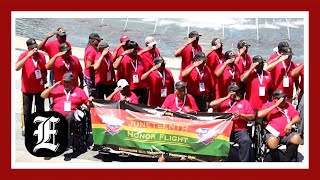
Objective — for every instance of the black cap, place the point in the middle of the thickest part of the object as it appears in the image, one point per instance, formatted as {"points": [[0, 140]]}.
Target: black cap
{"points": [[95, 36], [68, 76], [213, 43], [257, 58], [31, 43], [243, 43], [158, 60], [286, 51], [103, 44], [132, 45], [229, 55], [180, 85], [279, 94], [64, 47], [194, 34], [201, 56], [233, 87], [61, 31], [282, 45]]}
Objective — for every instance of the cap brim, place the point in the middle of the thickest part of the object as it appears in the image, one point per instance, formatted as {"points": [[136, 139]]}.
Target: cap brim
{"points": [[65, 49], [61, 34], [288, 54], [203, 59], [152, 43], [125, 40], [280, 95], [33, 46]]}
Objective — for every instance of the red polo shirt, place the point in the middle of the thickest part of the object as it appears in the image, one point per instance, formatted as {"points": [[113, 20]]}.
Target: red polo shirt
{"points": [[243, 106], [77, 97], [101, 74], [147, 58], [132, 97], [155, 84], [187, 55], [89, 55], [127, 71], [214, 59], [52, 47], [171, 103], [196, 77], [244, 62], [279, 72], [225, 79], [278, 119], [30, 84], [60, 67], [252, 88]]}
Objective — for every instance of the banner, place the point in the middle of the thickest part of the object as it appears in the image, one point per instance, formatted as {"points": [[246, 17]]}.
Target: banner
{"points": [[153, 132]]}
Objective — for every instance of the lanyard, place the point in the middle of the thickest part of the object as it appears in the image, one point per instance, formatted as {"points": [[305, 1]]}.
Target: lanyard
{"points": [[163, 77], [67, 94], [220, 60], [259, 77], [200, 74], [108, 63], [285, 113], [66, 65], [135, 67], [232, 73], [285, 68], [35, 62], [184, 101], [231, 106]]}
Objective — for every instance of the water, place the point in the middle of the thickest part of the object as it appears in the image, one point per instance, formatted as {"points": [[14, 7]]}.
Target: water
{"points": [[171, 33]]}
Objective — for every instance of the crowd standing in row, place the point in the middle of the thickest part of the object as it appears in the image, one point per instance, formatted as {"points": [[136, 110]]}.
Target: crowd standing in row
{"points": [[232, 82]]}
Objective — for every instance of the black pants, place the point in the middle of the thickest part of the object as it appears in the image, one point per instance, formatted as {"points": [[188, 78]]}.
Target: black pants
{"points": [[102, 89], [142, 95], [27, 105], [71, 127], [201, 102]]}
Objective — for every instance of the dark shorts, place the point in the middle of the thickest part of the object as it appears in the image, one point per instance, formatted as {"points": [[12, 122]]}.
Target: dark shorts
{"points": [[282, 140]]}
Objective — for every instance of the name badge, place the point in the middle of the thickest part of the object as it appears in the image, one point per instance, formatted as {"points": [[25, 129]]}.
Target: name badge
{"points": [[262, 91], [285, 81], [38, 73], [67, 106], [164, 92], [108, 75], [202, 87], [135, 78]]}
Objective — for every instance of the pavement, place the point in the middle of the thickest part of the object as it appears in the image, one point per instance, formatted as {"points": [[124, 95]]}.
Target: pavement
{"points": [[21, 158]]}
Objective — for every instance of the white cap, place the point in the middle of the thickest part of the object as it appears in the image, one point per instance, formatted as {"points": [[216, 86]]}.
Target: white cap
{"points": [[150, 41], [122, 83]]}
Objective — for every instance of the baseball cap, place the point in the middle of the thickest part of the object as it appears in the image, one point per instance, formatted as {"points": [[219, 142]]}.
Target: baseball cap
{"points": [[201, 56], [158, 60], [180, 85], [150, 41], [64, 47], [68, 76], [61, 31], [287, 51], [132, 45], [282, 45], [95, 36], [279, 94], [103, 44], [214, 41], [233, 87], [122, 83], [31, 43], [194, 34], [229, 55], [257, 58], [124, 38], [243, 43]]}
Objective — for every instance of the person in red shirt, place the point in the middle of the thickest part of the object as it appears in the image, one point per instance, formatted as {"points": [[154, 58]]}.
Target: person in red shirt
{"points": [[129, 67], [243, 59], [199, 81], [281, 73], [33, 79], [278, 53], [226, 73], [121, 47], [66, 98], [89, 58], [280, 115], [105, 80], [180, 101], [123, 93], [52, 47], [63, 62], [215, 55], [160, 82], [149, 53], [242, 112], [189, 50], [258, 83]]}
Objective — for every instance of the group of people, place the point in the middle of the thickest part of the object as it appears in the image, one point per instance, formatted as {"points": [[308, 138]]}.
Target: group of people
{"points": [[230, 82]]}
